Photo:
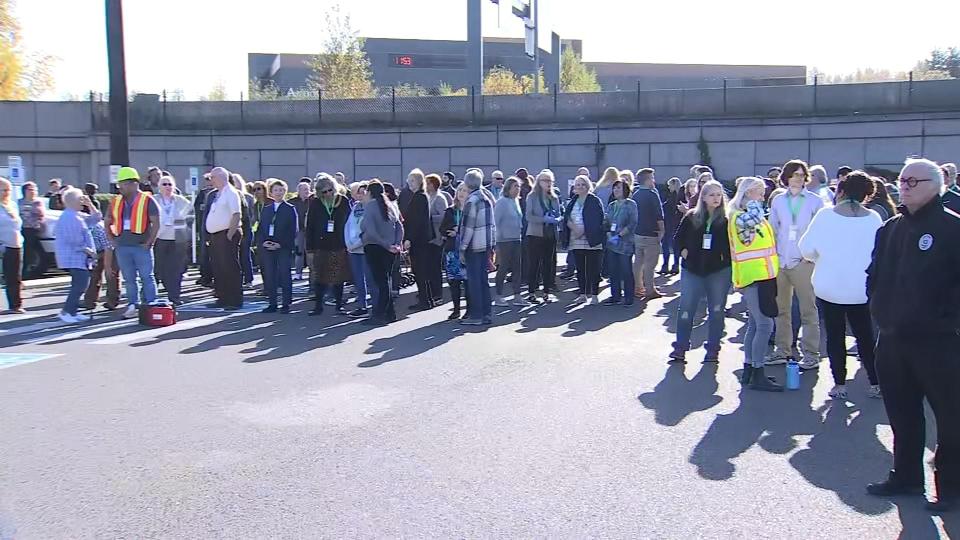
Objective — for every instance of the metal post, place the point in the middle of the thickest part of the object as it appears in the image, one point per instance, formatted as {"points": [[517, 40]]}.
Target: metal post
{"points": [[241, 110], [536, 46], [319, 105], [638, 97], [393, 102], [816, 84], [556, 91], [119, 123], [910, 91], [724, 96], [473, 103], [554, 69], [475, 43], [164, 109]]}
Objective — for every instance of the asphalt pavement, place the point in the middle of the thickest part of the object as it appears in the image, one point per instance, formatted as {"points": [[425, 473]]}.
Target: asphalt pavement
{"points": [[559, 421]]}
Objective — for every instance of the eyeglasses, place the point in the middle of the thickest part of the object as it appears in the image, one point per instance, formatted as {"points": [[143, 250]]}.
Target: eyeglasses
{"points": [[912, 182]]}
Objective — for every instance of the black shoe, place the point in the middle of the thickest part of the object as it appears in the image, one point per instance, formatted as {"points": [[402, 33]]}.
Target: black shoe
{"points": [[675, 270], [677, 356], [943, 504], [746, 375], [316, 311], [892, 487], [373, 321], [284, 309], [454, 315], [759, 381], [420, 307], [612, 301], [712, 356], [358, 313], [663, 270], [232, 308], [269, 309]]}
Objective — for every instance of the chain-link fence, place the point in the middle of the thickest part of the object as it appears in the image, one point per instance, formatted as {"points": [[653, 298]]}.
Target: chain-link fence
{"points": [[148, 112]]}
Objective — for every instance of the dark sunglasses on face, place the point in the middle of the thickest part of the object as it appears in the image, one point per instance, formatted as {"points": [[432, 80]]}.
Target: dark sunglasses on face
{"points": [[326, 191], [167, 185], [912, 182]]}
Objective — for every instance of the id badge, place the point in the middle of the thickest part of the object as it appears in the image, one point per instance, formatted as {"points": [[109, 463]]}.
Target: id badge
{"points": [[613, 228], [126, 224], [793, 233], [707, 241], [330, 226], [270, 230]]}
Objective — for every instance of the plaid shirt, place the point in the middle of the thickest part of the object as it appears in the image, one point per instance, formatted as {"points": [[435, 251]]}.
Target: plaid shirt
{"points": [[478, 230], [72, 237], [748, 221]]}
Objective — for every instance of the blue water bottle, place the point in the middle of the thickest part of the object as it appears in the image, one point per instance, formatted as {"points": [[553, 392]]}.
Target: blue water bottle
{"points": [[793, 375]]}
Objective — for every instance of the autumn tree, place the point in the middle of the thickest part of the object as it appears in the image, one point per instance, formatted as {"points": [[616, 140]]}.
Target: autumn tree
{"points": [[342, 69], [575, 76], [23, 75]]}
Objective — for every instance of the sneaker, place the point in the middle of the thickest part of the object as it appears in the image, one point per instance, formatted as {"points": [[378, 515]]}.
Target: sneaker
{"points": [[776, 360], [18, 311], [82, 317], [68, 318], [358, 313], [809, 363], [500, 302], [594, 301], [874, 392], [533, 299], [471, 322], [550, 298], [839, 392], [330, 302], [518, 301], [582, 299], [131, 312]]}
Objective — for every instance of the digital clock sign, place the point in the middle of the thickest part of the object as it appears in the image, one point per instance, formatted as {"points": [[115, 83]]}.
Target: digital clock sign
{"points": [[428, 61]]}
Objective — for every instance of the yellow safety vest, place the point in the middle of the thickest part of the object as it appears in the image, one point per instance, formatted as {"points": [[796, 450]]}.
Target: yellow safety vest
{"points": [[139, 218], [756, 262]]}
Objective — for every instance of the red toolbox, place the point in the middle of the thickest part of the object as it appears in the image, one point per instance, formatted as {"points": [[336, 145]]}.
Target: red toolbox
{"points": [[159, 315]]}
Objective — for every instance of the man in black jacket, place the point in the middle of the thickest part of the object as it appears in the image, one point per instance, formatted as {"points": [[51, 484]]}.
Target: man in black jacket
{"points": [[915, 300], [418, 232]]}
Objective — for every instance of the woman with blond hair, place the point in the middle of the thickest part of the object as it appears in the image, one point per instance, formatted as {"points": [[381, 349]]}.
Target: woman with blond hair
{"points": [[75, 252], [583, 221], [11, 241], [705, 248], [544, 213], [755, 266], [604, 188]]}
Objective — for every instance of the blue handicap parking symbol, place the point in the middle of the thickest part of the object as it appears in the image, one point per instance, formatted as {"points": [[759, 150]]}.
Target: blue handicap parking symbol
{"points": [[15, 359]]}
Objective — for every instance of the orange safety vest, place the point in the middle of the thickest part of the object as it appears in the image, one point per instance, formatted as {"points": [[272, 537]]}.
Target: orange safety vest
{"points": [[139, 219], [756, 262]]}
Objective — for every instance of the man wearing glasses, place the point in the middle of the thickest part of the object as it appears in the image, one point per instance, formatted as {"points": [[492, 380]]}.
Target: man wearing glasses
{"points": [[915, 300]]}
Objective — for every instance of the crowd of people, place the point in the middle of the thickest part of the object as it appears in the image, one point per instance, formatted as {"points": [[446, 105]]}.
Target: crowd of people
{"points": [[811, 257]]}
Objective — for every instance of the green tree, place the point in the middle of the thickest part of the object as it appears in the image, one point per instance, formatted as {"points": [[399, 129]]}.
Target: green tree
{"points": [[217, 93], [410, 90], [446, 90], [526, 83], [575, 76], [23, 75], [342, 69], [946, 60]]}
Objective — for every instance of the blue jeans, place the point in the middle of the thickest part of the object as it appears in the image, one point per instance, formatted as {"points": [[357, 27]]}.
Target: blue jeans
{"points": [[275, 267], [478, 286], [79, 279], [759, 329], [693, 288], [622, 284], [362, 277], [134, 260]]}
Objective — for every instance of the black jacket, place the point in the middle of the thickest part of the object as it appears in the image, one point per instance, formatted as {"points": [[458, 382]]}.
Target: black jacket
{"points": [[912, 280], [447, 224], [700, 261], [284, 222], [592, 220], [317, 217], [951, 199], [416, 219]]}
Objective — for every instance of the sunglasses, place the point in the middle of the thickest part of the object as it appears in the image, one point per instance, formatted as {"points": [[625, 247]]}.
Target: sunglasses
{"points": [[913, 182], [167, 185], [325, 191]]}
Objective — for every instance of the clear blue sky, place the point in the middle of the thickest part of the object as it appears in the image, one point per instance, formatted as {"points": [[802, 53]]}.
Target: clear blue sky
{"points": [[193, 44]]}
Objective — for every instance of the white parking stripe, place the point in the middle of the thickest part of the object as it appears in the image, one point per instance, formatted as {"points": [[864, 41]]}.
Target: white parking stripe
{"points": [[78, 332]]}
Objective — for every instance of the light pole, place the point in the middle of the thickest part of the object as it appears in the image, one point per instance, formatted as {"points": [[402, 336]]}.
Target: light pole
{"points": [[119, 126], [536, 46]]}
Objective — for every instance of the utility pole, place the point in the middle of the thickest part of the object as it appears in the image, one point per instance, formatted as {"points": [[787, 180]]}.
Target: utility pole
{"points": [[475, 44], [536, 46], [119, 125]]}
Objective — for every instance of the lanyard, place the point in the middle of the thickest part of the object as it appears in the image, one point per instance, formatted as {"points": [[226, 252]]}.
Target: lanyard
{"points": [[709, 223], [615, 210], [329, 207], [795, 208]]}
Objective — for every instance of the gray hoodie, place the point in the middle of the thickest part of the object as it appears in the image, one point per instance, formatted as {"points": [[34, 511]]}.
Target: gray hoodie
{"points": [[376, 230]]}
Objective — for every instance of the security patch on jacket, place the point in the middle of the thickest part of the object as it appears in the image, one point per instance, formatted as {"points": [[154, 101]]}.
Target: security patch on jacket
{"points": [[926, 242]]}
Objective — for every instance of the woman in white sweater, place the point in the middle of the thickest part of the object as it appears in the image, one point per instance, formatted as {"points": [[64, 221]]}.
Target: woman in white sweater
{"points": [[840, 242]]}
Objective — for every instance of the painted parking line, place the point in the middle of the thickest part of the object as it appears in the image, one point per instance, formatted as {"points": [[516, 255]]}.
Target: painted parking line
{"points": [[75, 332], [9, 360]]}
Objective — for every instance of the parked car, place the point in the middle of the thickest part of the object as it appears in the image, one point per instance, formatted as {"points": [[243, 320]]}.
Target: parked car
{"points": [[36, 264]]}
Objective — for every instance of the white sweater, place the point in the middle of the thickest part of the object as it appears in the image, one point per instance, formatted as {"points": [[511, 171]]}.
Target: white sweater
{"points": [[840, 247]]}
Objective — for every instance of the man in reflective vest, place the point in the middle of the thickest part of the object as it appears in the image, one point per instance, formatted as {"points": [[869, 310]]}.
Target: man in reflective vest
{"points": [[132, 222]]}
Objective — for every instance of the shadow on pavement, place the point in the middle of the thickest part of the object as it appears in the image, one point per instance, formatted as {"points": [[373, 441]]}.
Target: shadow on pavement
{"points": [[676, 397]]}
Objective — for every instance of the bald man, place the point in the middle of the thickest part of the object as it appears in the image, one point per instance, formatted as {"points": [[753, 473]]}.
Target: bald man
{"points": [[915, 300], [223, 231]]}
